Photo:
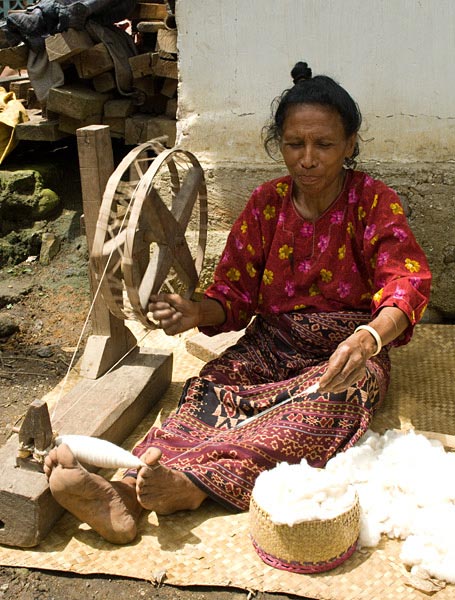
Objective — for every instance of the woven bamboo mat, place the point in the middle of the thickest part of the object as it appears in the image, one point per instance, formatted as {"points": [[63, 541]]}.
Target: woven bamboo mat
{"points": [[211, 547]]}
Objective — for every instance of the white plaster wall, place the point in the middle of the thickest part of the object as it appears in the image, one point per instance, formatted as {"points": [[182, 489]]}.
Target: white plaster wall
{"points": [[395, 57]]}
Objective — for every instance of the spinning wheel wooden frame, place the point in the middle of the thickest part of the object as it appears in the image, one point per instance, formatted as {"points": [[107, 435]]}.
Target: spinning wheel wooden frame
{"points": [[140, 239]]}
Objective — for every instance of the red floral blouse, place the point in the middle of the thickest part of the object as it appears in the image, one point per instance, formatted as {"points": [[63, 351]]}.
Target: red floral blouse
{"points": [[360, 254]]}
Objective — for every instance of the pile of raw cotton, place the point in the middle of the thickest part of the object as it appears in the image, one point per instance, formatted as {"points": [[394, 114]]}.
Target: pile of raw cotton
{"points": [[292, 494], [406, 488]]}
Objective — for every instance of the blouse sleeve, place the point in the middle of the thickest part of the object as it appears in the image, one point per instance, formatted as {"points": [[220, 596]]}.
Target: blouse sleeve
{"points": [[397, 265], [239, 272]]}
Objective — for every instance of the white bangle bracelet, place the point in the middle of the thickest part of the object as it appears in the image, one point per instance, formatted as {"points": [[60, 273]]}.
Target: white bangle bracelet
{"points": [[374, 333]]}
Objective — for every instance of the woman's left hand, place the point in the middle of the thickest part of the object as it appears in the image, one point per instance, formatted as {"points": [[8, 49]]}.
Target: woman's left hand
{"points": [[347, 364]]}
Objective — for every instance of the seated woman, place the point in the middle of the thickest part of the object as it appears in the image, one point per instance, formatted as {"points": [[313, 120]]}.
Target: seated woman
{"points": [[323, 258]]}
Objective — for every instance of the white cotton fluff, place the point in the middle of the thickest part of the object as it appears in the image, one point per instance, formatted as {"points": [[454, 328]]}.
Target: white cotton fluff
{"points": [[406, 490], [292, 494]]}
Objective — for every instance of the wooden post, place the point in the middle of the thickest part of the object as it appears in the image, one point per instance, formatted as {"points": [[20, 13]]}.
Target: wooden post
{"points": [[111, 338]]}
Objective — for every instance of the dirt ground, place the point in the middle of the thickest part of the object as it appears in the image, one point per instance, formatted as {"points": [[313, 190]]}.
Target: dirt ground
{"points": [[50, 309]]}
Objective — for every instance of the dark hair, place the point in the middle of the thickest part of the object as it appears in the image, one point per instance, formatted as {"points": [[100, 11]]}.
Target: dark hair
{"points": [[307, 89]]}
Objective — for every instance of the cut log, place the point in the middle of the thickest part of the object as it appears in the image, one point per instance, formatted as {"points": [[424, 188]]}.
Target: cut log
{"points": [[143, 64], [39, 129], [169, 88], [116, 126], [104, 83], [93, 62], [150, 26], [166, 68], [15, 57], [141, 128], [31, 99], [76, 101], [20, 88], [171, 108], [167, 41], [146, 97], [109, 409], [71, 125], [5, 82], [119, 108], [146, 10], [62, 46]]}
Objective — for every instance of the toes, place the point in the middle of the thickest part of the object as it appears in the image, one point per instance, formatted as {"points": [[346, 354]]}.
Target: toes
{"points": [[151, 456], [64, 457]]}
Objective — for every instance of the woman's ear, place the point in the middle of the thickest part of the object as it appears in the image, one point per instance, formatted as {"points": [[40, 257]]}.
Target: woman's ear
{"points": [[350, 145]]}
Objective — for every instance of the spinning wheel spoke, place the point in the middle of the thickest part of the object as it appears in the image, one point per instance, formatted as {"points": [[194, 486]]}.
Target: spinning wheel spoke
{"points": [[152, 231]]}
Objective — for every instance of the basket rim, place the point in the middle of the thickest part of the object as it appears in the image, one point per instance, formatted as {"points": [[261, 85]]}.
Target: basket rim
{"points": [[256, 506]]}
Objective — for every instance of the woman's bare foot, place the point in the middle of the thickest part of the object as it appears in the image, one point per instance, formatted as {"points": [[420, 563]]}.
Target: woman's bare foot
{"points": [[164, 490], [110, 508]]}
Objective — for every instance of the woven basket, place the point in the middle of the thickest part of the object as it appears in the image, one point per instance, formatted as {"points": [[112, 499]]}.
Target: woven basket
{"points": [[308, 547]]}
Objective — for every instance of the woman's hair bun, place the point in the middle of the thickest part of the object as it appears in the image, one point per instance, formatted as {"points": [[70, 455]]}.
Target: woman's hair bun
{"points": [[301, 72]]}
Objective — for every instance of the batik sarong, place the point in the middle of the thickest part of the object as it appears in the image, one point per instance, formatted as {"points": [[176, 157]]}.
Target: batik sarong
{"points": [[212, 441]]}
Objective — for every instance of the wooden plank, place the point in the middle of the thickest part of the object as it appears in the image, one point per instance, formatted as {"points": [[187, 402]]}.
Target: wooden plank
{"points": [[92, 62], [207, 347], [119, 108], [39, 129], [141, 128], [15, 58], [111, 338], [123, 398], [105, 82], [62, 46], [146, 10], [5, 82], [70, 125], [76, 101], [169, 88], [150, 26], [171, 108], [167, 40], [166, 68], [20, 88], [31, 99], [143, 64], [116, 126]]}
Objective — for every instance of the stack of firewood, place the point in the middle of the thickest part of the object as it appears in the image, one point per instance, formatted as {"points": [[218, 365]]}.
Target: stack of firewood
{"points": [[90, 94]]}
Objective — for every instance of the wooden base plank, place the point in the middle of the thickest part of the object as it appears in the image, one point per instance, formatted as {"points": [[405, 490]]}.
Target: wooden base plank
{"points": [[109, 408]]}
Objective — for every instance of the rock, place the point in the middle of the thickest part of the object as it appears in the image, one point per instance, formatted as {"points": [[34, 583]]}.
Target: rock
{"points": [[50, 245], [18, 245], [45, 352], [8, 327], [12, 291], [47, 203], [23, 196]]}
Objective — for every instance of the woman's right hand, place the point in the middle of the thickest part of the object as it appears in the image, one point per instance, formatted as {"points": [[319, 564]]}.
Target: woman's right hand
{"points": [[174, 313]]}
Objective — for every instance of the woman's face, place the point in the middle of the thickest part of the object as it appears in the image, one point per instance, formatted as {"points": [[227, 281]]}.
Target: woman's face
{"points": [[314, 146]]}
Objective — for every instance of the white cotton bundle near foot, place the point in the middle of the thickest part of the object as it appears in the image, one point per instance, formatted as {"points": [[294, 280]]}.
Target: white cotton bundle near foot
{"points": [[99, 453], [292, 494]]}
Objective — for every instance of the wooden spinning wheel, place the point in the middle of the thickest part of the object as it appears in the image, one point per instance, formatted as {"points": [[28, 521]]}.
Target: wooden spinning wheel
{"points": [[152, 229]]}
